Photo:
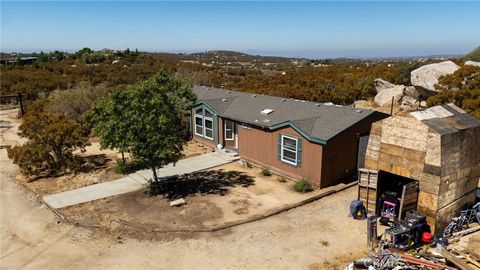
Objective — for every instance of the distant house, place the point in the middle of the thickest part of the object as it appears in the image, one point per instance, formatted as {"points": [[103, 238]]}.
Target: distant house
{"points": [[321, 142]]}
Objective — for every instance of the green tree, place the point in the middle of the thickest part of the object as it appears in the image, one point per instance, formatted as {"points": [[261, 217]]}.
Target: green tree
{"points": [[52, 139], [111, 122], [149, 117], [473, 55], [157, 107]]}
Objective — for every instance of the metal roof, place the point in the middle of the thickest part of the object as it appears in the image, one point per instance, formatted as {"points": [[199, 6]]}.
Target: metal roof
{"points": [[312, 119], [447, 118]]}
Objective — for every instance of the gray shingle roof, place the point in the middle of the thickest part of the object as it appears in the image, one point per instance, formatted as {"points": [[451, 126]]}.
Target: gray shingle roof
{"points": [[317, 120]]}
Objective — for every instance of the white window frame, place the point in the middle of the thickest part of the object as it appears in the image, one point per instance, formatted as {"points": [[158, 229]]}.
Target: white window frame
{"points": [[232, 129], [205, 119], [203, 126], [289, 150], [195, 123]]}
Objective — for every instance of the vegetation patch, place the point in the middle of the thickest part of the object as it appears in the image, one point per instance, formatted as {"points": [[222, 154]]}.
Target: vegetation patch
{"points": [[303, 186], [266, 172]]}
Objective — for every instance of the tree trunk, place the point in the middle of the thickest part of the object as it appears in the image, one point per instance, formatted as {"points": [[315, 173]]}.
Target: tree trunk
{"points": [[155, 177], [123, 158]]}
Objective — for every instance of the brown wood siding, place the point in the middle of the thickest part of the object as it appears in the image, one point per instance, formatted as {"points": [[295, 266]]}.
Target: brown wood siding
{"points": [[261, 146], [340, 153]]}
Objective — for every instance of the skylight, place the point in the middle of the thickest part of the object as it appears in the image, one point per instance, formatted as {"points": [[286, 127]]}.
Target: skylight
{"points": [[266, 111]]}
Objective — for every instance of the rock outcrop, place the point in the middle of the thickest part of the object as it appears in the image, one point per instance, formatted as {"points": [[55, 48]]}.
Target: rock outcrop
{"points": [[384, 97], [472, 63], [381, 84], [425, 77]]}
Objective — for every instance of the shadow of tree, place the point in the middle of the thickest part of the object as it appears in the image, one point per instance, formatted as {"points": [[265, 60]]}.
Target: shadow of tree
{"points": [[91, 162], [201, 183]]}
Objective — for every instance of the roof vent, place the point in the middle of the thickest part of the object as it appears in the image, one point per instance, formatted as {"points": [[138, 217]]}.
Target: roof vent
{"points": [[328, 104], [317, 105], [266, 111], [266, 121], [224, 99], [228, 92], [254, 95], [208, 88], [358, 111], [303, 101], [283, 100]]}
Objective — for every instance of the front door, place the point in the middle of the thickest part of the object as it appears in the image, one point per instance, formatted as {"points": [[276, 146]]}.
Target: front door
{"points": [[230, 134]]}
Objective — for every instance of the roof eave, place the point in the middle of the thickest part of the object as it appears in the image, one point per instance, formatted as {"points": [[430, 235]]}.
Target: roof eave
{"points": [[297, 129]]}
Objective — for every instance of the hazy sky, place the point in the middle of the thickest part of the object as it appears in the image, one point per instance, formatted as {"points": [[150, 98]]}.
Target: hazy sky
{"points": [[306, 29]]}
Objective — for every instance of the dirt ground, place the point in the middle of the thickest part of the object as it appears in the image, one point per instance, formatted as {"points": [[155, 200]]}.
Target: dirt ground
{"points": [[319, 235], [254, 196], [105, 173]]}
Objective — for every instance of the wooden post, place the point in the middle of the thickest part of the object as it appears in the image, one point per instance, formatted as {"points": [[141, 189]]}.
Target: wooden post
{"points": [[20, 100], [391, 108]]}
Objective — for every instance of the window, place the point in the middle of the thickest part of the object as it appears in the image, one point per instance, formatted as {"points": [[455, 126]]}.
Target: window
{"points": [[204, 123], [229, 130], [208, 125], [289, 150], [199, 122]]}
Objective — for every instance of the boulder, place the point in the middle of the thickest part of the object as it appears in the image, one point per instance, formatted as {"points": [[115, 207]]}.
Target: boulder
{"points": [[472, 63], [381, 84], [425, 77], [407, 100], [409, 103], [384, 98], [412, 92]]}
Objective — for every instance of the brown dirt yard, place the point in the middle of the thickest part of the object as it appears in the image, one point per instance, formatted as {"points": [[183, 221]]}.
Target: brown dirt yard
{"points": [[207, 204], [318, 235]]}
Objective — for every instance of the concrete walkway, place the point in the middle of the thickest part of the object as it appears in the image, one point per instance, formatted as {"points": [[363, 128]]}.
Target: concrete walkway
{"points": [[134, 181]]}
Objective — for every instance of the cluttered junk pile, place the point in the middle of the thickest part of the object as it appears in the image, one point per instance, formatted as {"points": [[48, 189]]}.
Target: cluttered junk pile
{"points": [[408, 243]]}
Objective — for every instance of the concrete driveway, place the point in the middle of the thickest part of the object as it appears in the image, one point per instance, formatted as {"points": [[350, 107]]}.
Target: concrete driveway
{"points": [[135, 181]]}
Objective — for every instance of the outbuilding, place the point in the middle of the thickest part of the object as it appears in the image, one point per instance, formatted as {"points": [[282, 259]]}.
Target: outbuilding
{"points": [[430, 158]]}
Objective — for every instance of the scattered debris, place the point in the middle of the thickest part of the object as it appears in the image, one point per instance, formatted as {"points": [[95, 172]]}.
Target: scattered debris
{"points": [[178, 202]]}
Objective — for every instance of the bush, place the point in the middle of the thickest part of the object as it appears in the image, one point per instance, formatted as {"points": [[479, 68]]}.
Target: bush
{"points": [[266, 172], [302, 186], [52, 139], [248, 164], [281, 179]]}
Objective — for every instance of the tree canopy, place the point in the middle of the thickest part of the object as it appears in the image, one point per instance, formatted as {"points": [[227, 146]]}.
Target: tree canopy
{"points": [[462, 88], [473, 55], [146, 119], [52, 139]]}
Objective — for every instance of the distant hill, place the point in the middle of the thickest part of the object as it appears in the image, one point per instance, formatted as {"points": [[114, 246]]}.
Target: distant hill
{"points": [[233, 56]]}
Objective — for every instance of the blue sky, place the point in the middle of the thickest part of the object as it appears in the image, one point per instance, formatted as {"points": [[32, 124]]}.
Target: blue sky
{"points": [[306, 29]]}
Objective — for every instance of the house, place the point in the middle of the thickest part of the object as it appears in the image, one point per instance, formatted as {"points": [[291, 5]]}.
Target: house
{"points": [[321, 142], [431, 158]]}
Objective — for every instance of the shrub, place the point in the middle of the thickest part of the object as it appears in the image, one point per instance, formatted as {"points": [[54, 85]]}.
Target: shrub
{"points": [[52, 139], [281, 179], [302, 186], [248, 164], [266, 172]]}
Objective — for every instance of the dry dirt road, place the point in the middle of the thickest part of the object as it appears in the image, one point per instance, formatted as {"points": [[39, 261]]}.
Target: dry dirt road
{"points": [[301, 238]]}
